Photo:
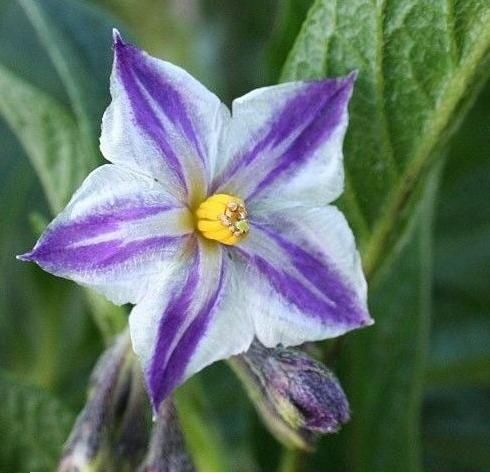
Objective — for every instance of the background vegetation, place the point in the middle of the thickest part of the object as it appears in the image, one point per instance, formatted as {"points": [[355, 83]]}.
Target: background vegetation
{"points": [[417, 197]]}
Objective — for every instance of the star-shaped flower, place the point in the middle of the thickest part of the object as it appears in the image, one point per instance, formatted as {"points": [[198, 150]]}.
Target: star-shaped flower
{"points": [[215, 225]]}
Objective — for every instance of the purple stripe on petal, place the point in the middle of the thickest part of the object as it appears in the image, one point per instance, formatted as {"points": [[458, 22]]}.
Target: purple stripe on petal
{"points": [[99, 224], [172, 103], [311, 115], [291, 288], [141, 78], [172, 320], [323, 123], [332, 301], [315, 268], [170, 361], [145, 116], [97, 256]]}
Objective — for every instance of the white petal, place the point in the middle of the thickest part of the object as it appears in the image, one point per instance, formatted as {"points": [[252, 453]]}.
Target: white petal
{"points": [[119, 231], [302, 276], [188, 321], [284, 143], [162, 122]]}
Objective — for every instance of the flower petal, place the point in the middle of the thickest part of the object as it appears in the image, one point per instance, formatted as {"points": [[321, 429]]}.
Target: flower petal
{"points": [[303, 275], [285, 142], [188, 322], [161, 121], [119, 229]]}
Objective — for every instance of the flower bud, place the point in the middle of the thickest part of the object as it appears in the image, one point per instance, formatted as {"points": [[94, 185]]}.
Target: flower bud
{"points": [[166, 451], [88, 444], [112, 431], [296, 395], [131, 425]]}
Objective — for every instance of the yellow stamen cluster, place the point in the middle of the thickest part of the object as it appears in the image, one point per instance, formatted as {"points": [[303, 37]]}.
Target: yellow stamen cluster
{"points": [[223, 218]]}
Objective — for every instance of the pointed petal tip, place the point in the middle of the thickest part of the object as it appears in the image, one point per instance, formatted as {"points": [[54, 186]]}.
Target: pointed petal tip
{"points": [[344, 83], [362, 320], [367, 322], [352, 76], [118, 42], [347, 84], [25, 257], [349, 80], [116, 37]]}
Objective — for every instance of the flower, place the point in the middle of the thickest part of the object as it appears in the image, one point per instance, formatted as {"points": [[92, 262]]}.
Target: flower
{"points": [[215, 225]]}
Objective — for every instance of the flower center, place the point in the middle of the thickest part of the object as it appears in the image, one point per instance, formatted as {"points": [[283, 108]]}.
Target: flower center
{"points": [[223, 217]]}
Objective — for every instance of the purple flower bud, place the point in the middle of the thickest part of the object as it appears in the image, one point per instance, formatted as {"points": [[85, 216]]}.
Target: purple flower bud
{"points": [[296, 395], [87, 447], [112, 431], [310, 395]]}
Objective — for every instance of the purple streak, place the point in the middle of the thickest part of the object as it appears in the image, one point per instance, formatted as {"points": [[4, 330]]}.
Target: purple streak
{"points": [[313, 114], [100, 223], [171, 101], [62, 247], [169, 363], [175, 314], [322, 125], [333, 302], [97, 256], [139, 76]]}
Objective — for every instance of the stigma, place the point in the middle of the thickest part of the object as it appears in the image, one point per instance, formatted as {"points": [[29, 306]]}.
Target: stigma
{"points": [[223, 218]]}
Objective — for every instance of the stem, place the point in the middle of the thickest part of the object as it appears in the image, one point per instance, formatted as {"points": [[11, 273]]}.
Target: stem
{"points": [[292, 460]]}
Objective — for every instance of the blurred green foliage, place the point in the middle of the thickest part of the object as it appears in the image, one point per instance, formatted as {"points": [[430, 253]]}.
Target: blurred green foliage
{"points": [[419, 385]]}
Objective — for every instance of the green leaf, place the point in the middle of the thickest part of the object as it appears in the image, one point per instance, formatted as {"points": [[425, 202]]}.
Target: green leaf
{"points": [[53, 95], [49, 134], [418, 61], [33, 427], [73, 47]]}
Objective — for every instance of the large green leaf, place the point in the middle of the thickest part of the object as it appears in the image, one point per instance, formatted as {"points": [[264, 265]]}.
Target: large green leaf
{"points": [[420, 63], [33, 427]]}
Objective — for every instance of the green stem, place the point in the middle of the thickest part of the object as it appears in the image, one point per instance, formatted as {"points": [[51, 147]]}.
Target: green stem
{"points": [[292, 460]]}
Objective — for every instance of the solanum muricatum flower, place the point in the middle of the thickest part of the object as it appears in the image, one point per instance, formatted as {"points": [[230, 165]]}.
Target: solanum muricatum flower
{"points": [[215, 225]]}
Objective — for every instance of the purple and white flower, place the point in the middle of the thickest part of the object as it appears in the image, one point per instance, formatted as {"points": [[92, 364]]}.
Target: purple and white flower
{"points": [[216, 225]]}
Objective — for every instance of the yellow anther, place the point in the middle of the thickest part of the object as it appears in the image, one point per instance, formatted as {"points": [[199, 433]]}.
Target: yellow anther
{"points": [[223, 218]]}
